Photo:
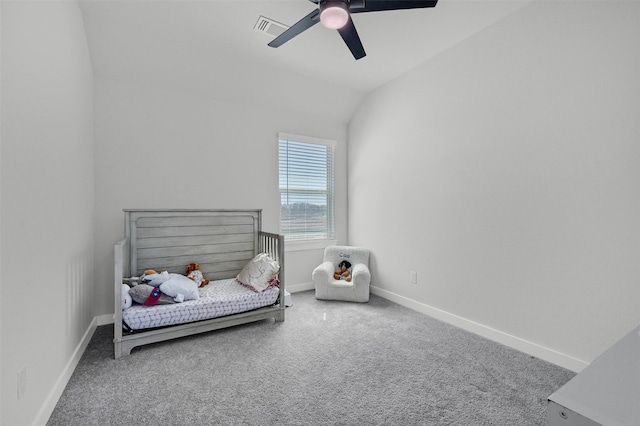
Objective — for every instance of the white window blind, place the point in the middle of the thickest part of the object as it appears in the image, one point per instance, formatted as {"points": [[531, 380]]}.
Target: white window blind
{"points": [[306, 187]]}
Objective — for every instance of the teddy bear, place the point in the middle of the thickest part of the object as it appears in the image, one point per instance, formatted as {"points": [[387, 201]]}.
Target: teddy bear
{"points": [[343, 272], [127, 300], [195, 274]]}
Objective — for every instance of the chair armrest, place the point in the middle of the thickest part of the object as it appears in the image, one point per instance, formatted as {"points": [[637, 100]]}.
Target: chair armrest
{"points": [[324, 272], [360, 273], [321, 277]]}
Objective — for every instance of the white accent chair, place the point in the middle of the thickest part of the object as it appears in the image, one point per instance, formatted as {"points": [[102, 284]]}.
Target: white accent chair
{"points": [[328, 288]]}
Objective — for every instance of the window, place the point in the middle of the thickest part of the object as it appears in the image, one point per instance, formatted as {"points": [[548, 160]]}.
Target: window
{"points": [[306, 187]]}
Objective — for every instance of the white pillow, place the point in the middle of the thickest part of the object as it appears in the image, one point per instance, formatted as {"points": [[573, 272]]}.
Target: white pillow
{"points": [[258, 272], [180, 288]]}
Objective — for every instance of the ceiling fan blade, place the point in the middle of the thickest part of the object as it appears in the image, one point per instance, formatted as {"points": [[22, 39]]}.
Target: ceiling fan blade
{"points": [[302, 25], [380, 5], [352, 39]]}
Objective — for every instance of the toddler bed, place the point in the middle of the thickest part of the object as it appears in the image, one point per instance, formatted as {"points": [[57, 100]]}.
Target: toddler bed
{"points": [[222, 242]]}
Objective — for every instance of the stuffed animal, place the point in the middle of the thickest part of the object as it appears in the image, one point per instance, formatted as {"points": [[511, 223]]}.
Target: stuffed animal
{"points": [[127, 300], [195, 274], [343, 272], [153, 278]]}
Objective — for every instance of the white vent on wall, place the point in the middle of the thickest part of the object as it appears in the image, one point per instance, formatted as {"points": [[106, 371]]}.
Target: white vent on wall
{"points": [[269, 26]]}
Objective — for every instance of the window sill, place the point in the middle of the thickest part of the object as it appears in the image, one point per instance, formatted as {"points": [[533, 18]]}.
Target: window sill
{"points": [[308, 245]]}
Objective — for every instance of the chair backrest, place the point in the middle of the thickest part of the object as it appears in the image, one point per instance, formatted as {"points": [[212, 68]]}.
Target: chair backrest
{"points": [[353, 255]]}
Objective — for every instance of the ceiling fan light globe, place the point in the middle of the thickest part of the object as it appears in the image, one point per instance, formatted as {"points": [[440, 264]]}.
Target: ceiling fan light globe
{"points": [[334, 15]]}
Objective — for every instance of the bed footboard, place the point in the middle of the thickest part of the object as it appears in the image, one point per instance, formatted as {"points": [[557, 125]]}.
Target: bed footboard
{"points": [[273, 245], [120, 254]]}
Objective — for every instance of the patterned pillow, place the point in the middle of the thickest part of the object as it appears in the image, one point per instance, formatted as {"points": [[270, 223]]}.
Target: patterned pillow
{"points": [[258, 272], [273, 283]]}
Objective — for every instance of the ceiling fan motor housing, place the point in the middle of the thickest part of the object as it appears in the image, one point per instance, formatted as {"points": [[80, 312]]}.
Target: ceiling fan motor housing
{"points": [[334, 14]]}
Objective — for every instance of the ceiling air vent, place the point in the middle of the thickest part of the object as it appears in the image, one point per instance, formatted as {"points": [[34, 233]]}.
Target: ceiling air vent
{"points": [[269, 26]]}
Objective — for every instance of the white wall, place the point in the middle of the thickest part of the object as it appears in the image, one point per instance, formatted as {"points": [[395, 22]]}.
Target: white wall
{"points": [[168, 148], [47, 202], [506, 172]]}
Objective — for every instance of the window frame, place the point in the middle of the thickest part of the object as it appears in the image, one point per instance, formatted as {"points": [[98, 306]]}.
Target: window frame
{"points": [[299, 241]]}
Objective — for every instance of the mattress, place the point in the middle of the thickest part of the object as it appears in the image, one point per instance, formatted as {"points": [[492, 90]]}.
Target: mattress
{"points": [[217, 299]]}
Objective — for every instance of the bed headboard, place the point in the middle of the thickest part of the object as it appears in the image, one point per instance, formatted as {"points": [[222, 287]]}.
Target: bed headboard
{"points": [[221, 241]]}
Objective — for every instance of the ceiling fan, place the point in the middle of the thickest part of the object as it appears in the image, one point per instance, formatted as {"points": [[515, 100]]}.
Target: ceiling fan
{"points": [[336, 14]]}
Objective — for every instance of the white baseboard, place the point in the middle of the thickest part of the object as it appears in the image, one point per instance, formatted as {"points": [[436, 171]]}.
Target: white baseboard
{"points": [[104, 319], [300, 287], [52, 399], [514, 342]]}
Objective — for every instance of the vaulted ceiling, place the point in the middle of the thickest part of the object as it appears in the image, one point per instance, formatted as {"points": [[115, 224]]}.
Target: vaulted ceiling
{"points": [[211, 45]]}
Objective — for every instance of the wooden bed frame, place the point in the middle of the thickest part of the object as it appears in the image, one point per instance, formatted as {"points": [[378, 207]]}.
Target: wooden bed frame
{"points": [[221, 241]]}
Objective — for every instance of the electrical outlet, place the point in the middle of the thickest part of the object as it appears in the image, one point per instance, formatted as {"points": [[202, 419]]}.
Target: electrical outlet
{"points": [[22, 382], [413, 277]]}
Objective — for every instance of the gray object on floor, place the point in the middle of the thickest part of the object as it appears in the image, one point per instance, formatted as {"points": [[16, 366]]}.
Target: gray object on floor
{"points": [[331, 362], [605, 393]]}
